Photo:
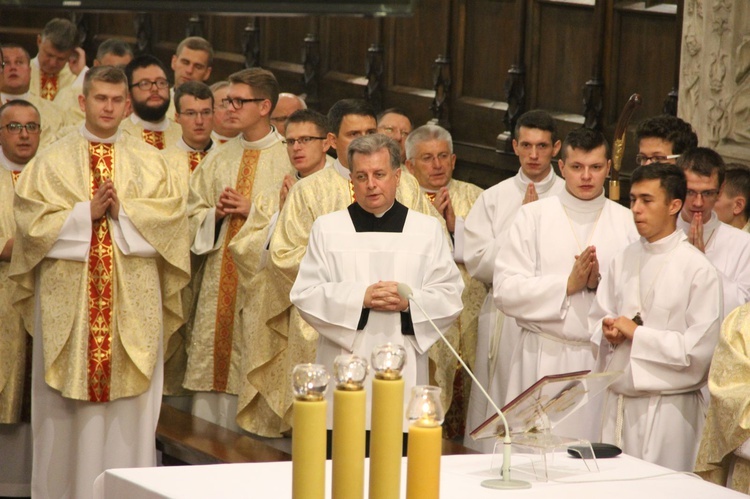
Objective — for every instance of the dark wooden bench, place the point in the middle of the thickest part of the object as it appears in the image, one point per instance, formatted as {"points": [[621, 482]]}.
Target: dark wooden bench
{"points": [[185, 439]]}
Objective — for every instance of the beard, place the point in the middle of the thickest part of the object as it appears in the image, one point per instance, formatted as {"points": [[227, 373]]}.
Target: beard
{"points": [[150, 113]]}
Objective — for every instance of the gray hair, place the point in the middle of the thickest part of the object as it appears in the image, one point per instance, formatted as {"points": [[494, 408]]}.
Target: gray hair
{"points": [[424, 134], [370, 144]]}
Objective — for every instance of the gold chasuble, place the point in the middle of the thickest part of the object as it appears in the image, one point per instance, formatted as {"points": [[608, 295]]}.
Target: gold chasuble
{"points": [[102, 318], [48, 86], [48, 90], [13, 337], [279, 337], [195, 158], [100, 283], [160, 135], [154, 138], [215, 347]]}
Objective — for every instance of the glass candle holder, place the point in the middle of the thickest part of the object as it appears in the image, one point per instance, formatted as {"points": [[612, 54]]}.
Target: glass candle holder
{"points": [[425, 409], [310, 381], [350, 372], [388, 361]]}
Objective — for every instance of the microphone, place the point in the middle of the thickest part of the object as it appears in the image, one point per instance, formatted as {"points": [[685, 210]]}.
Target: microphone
{"points": [[404, 291]]}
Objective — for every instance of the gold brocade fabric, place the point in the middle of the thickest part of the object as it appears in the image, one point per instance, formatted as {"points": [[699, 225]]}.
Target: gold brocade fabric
{"points": [[226, 305], [728, 420], [219, 170], [100, 285], [154, 138], [463, 332], [65, 78], [147, 290], [281, 339], [48, 89], [170, 136], [195, 158], [15, 176], [12, 333]]}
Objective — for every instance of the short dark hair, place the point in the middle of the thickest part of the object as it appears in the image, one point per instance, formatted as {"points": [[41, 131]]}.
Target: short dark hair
{"points": [[12, 45], [703, 161], [584, 139], [107, 74], [309, 116], [370, 144], [262, 81], [114, 46], [19, 103], [197, 43], [346, 107], [197, 89], [394, 110], [539, 119], [669, 128], [671, 178], [61, 33], [737, 183], [142, 61]]}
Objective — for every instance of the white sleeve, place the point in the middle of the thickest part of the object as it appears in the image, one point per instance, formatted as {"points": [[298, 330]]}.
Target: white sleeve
{"points": [[458, 240], [478, 252], [74, 240], [129, 239], [205, 239]]}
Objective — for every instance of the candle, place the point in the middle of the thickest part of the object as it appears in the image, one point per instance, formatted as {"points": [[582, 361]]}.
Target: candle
{"points": [[309, 382], [426, 414], [386, 434], [349, 408]]}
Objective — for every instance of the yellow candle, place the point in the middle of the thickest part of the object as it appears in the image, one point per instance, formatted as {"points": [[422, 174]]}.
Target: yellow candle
{"points": [[309, 450], [348, 455], [386, 438], [423, 462]]}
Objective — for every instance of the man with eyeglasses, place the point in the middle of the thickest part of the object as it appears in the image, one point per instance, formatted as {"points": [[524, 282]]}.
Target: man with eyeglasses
{"points": [[429, 150], [662, 139], [150, 99], [223, 190], [535, 143], [15, 84], [19, 140], [726, 247], [100, 258], [547, 272], [394, 123], [225, 123], [288, 104], [192, 61]]}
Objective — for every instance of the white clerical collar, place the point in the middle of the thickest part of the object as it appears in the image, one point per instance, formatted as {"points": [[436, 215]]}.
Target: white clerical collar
{"points": [[161, 126], [5, 98], [183, 146], [522, 181], [217, 137], [93, 138], [8, 164], [342, 170], [665, 244], [270, 139], [386, 211], [573, 203]]}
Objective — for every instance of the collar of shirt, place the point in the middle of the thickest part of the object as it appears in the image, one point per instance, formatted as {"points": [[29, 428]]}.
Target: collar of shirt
{"points": [[8, 164], [392, 220], [522, 181], [270, 139], [665, 244], [93, 138]]}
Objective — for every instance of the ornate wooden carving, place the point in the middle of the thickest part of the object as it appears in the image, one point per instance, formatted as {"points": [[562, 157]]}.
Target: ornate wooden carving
{"points": [[593, 103], [194, 27], [311, 74], [375, 69], [441, 83], [144, 34], [515, 96], [251, 44]]}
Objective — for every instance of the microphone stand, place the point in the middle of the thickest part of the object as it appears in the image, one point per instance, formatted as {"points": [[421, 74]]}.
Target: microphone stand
{"points": [[405, 292]]}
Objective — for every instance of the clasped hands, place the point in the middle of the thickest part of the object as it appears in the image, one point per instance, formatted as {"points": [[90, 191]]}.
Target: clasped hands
{"points": [[443, 205], [617, 330], [105, 201], [585, 273], [231, 202], [383, 296]]}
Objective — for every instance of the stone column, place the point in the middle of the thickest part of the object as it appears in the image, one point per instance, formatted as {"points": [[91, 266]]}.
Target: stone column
{"points": [[714, 94]]}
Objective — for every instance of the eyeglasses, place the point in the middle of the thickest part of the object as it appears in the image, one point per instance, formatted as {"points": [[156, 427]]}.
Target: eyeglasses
{"points": [[238, 102], [15, 128], [146, 85], [394, 131], [429, 158], [708, 194], [642, 159], [205, 114], [301, 140]]}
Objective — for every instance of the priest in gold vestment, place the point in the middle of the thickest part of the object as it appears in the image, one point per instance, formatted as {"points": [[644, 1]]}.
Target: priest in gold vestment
{"points": [[221, 197], [284, 339], [430, 158], [52, 69], [19, 141], [100, 258], [724, 453]]}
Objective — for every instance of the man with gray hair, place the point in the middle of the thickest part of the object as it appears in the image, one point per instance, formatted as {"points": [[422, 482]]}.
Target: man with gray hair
{"points": [[356, 309], [430, 158], [58, 62], [287, 105]]}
